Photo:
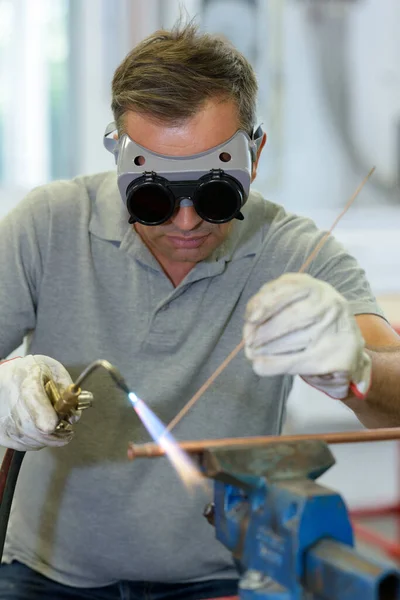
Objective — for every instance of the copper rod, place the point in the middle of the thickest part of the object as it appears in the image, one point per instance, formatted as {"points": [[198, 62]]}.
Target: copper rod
{"points": [[239, 347], [205, 386], [322, 241], [151, 450]]}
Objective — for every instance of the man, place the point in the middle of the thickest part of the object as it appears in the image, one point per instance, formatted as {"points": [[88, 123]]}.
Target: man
{"points": [[163, 297]]}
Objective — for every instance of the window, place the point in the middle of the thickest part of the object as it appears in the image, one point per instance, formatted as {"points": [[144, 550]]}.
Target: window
{"points": [[33, 92]]}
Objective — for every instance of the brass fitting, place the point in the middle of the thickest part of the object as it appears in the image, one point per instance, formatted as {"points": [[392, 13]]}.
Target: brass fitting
{"points": [[65, 403]]}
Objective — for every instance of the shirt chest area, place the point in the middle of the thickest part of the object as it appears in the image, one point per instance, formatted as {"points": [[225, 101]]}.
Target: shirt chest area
{"points": [[131, 302]]}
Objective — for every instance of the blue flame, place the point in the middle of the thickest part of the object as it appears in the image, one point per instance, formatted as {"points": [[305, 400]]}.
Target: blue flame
{"points": [[181, 461]]}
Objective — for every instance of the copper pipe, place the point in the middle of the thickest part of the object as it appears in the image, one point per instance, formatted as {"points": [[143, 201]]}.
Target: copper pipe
{"points": [[151, 450]]}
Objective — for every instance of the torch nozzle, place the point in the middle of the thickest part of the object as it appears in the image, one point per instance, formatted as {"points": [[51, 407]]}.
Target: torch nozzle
{"points": [[113, 371]]}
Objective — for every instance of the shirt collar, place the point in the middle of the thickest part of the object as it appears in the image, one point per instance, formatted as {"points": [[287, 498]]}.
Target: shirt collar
{"points": [[109, 216]]}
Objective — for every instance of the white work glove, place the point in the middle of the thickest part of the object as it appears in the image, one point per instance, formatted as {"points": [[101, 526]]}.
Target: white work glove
{"points": [[28, 420], [300, 325]]}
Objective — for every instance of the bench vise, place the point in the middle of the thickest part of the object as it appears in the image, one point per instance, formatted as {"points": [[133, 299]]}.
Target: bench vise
{"points": [[292, 537]]}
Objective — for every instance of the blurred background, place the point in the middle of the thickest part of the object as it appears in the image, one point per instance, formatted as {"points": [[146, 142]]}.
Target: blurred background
{"points": [[329, 75]]}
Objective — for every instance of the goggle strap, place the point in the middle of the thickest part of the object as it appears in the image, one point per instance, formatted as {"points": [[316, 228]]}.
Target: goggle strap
{"points": [[256, 140], [109, 142]]}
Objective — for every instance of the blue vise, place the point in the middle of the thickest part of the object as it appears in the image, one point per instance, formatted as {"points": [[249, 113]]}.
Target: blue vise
{"points": [[291, 536]]}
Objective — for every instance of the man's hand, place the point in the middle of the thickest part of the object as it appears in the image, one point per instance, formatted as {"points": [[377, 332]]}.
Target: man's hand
{"points": [[299, 325], [28, 420]]}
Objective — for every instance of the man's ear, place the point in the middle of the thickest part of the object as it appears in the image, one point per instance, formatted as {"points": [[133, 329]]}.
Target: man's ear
{"points": [[255, 163]]}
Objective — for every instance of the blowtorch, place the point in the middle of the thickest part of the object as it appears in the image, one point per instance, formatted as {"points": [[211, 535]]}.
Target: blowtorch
{"points": [[65, 403]]}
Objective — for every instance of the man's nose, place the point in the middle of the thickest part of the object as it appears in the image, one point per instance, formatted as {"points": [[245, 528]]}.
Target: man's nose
{"points": [[186, 218]]}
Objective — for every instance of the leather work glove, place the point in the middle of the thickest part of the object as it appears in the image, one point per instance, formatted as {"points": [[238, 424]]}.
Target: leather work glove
{"points": [[300, 325], [28, 420]]}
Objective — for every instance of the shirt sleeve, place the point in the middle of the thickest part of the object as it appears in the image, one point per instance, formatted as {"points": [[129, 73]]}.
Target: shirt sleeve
{"points": [[294, 238], [21, 267], [336, 266]]}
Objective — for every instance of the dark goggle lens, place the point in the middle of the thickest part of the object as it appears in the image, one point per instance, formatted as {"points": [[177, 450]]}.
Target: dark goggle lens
{"points": [[217, 201], [150, 203]]}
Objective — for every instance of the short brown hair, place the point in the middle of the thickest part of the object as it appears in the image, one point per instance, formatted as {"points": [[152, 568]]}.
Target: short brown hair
{"points": [[170, 74]]}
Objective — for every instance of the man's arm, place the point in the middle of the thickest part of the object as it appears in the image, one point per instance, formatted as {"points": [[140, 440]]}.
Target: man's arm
{"points": [[299, 325], [22, 257], [381, 407]]}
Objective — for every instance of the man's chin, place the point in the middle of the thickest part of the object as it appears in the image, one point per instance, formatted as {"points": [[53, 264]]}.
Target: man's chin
{"points": [[192, 255]]}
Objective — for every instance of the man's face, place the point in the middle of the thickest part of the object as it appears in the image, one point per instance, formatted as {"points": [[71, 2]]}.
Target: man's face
{"points": [[185, 237]]}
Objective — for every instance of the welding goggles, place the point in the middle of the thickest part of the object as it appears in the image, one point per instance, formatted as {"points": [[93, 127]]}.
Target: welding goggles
{"points": [[216, 182]]}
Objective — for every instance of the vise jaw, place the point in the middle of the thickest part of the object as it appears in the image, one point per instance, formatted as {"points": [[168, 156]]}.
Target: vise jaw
{"points": [[291, 536]]}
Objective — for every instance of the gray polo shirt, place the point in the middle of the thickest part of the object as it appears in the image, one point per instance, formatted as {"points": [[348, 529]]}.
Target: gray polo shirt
{"points": [[76, 277]]}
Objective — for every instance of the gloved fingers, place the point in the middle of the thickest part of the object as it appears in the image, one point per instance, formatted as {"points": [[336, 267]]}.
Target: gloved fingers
{"points": [[74, 416], [339, 384], [269, 366], [10, 437], [39, 443], [39, 407], [63, 380], [260, 342], [17, 443], [330, 353], [273, 297], [27, 417], [290, 330], [54, 370], [58, 439], [286, 333], [336, 384], [36, 409], [54, 441], [299, 325]]}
